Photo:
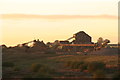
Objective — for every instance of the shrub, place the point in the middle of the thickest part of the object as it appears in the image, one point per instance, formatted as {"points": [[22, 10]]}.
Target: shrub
{"points": [[74, 64], [116, 76], [41, 69], [99, 74], [50, 51], [8, 64], [83, 67], [42, 75], [93, 66], [16, 68], [35, 67], [44, 72], [67, 64], [45, 69]]}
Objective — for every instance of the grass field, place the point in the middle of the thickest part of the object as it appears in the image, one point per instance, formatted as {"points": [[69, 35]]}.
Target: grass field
{"points": [[38, 65]]}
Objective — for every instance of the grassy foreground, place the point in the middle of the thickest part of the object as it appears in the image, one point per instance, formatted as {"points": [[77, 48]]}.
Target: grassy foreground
{"points": [[38, 65]]}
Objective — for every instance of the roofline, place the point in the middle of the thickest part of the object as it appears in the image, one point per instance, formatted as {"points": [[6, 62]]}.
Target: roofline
{"points": [[80, 32]]}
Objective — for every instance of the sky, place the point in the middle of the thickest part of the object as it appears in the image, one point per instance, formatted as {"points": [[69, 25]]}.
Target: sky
{"points": [[50, 20]]}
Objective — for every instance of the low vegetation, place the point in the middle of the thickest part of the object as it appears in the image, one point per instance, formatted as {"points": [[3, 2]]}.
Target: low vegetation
{"points": [[32, 65], [50, 51], [94, 66], [8, 64], [42, 71], [35, 67], [76, 65], [99, 74], [16, 68]]}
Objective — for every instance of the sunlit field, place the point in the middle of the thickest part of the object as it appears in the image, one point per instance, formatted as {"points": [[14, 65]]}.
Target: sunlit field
{"points": [[51, 65]]}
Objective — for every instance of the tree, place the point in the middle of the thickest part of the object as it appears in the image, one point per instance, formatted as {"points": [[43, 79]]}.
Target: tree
{"points": [[100, 40]]}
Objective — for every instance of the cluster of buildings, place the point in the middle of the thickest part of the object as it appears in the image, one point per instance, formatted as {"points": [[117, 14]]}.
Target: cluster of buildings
{"points": [[81, 42]]}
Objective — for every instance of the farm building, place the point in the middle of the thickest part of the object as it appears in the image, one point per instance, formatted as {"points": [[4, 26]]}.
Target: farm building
{"points": [[82, 38], [80, 43]]}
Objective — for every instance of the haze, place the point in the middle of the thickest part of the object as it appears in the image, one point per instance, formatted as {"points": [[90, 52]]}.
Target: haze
{"points": [[50, 20]]}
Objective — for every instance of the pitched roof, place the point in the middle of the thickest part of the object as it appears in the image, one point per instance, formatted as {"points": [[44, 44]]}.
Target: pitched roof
{"points": [[82, 32]]}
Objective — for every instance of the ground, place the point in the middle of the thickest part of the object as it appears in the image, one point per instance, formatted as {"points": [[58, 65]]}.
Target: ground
{"points": [[57, 65]]}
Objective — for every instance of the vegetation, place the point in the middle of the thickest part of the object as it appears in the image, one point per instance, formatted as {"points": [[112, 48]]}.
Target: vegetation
{"points": [[99, 74], [83, 67], [16, 68], [8, 64], [41, 71], [50, 51], [35, 67], [116, 76], [94, 66], [32, 65], [76, 65]]}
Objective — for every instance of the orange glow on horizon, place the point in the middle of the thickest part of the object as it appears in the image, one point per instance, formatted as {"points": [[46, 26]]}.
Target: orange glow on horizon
{"points": [[51, 20]]}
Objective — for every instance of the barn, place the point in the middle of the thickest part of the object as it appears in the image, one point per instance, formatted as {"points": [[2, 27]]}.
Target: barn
{"points": [[82, 38], [81, 42]]}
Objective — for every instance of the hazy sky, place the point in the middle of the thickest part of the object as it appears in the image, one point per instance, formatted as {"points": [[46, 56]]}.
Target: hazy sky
{"points": [[50, 20]]}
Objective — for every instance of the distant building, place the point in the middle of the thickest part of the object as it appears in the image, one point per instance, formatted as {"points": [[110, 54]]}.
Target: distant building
{"points": [[82, 38], [64, 42], [113, 45], [39, 44]]}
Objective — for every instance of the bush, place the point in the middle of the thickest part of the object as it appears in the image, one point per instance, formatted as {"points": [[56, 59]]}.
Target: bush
{"points": [[43, 71], [99, 74], [16, 68], [40, 68], [50, 51], [8, 64], [93, 66], [116, 76], [83, 67], [35, 67], [75, 64], [42, 75]]}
